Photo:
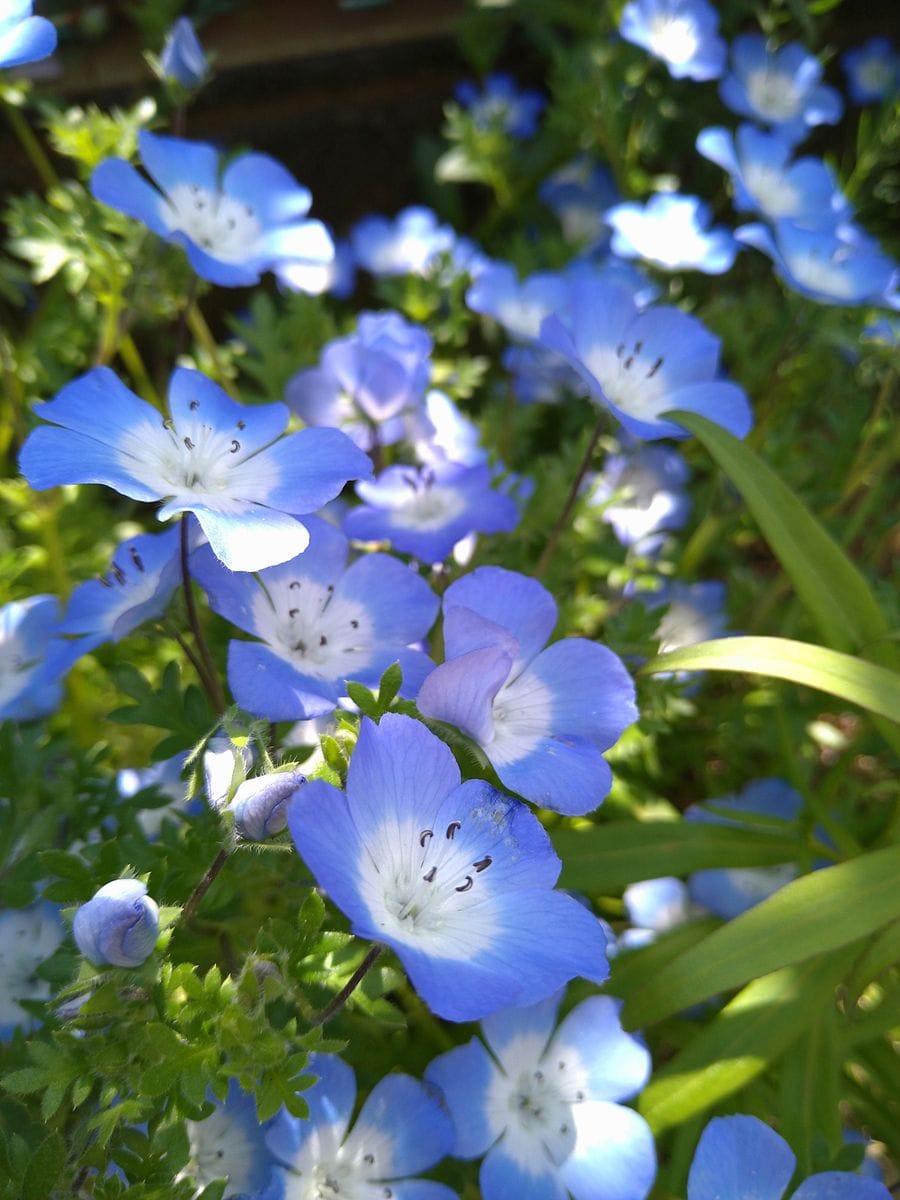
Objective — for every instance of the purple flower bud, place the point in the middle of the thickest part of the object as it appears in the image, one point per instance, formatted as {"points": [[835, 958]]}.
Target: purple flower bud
{"points": [[260, 805], [119, 926], [182, 57]]}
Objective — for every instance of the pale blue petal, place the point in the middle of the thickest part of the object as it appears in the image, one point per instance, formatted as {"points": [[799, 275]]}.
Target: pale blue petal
{"points": [[617, 1063], [592, 695], [740, 1158], [840, 1185], [614, 1156], [267, 187], [328, 841], [171, 161], [330, 1102], [400, 603], [268, 686], [464, 1075], [310, 468], [462, 691], [214, 270], [27, 41], [194, 397], [536, 1023], [53, 456], [120, 185], [724, 403], [465, 630], [561, 773], [246, 536], [502, 1178], [421, 1189], [230, 593], [511, 600], [412, 1117]]}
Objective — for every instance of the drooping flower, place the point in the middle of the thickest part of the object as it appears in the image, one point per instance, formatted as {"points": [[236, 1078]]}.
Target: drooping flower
{"points": [[23, 37], [28, 936], [741, 1156], [425, 511], [844, 266], [233, 225], [118, 926], [543, 716], [542, 1106], [144, 573], [33, 658], [364, 383], [872, 70], [642, 493], [684, 34], [764, 179], [579, 192], [260, 804], [672, 232], [408, 244], [402, 1129], [641, 364], [454, 877], [182, 58], [780, 88], [501, 106], [321, 623], [230, 1144], [218, 459]]}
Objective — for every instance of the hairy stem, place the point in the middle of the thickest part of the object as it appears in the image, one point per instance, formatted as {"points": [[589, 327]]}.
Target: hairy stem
{"points": [[203, 886], [348, 989], [563, 518], [208, 677]]}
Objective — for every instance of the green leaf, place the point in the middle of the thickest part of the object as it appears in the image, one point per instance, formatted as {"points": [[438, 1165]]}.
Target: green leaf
{"points": [[810, 1077], [364, 700], [630, 969], [819, 912], [45, 1168], [388, 688], [606, 858], [873, 688]]}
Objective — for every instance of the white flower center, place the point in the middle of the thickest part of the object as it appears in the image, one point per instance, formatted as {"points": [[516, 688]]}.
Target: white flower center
{"points": [[27, 938], [631, 377], [875, 75], [827, 275], [773, 94], [323, 635], [683, 625], [15, 669], [673, 39], [522, 714], [431, 505], [772, 191], [225, 228], [221, 1148], [326, 1170]]}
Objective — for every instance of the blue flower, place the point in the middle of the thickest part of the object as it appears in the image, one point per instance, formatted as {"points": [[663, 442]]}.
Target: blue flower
{"points": [[741, 1156], [579, 192], [872, 70], [24, 38], [145, 572], [260, 805], [672, 232], [402, 1130], [364, 383], [654, 906], [454, 877], [321, 623], [182, 58], [226, 763], [337, 277], [683, 33], [232, 228], [543, 716], [28, 936], [410, 244], [231, 1144], [119, 926], [32, 658], [501, 106], [780, 88], [641, 364], [218, 459], [443, 434], [641, 491], [164, 778], [765, 181], [843, 267], [729, 892], [425, 511], [542, 1106], [696, 613]]}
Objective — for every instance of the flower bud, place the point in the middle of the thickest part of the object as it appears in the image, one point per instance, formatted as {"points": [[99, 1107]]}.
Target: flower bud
{"points": [[225, 765], [182, 57], [260, 805], [119, 926]]}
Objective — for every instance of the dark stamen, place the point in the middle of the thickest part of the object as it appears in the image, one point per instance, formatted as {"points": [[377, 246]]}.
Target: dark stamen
{"points": [[188, 443], [323, 640], [430, 876], [654, 368], [103, 580], [561, 1065], [424, 836], [579, 1095], [292, 612], [194, 405], [470, 882], [168, 423], [483, 863], [295, 583], [354, 624], [301, 646], [629, 362], [452, 828], [638, 347], [136, 559], [230, 222], [539, 1076], [369, 1159], [242, 425], [117, 573], [563, 1129], [235, 446], [620, 349]]}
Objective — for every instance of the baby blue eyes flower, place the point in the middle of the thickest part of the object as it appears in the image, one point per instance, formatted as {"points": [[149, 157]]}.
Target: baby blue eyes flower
{"points": [[683, 33], [872, 70], [696, 613], [780, 88], [218, 459], [231, 1144], [410, 244], [502, 106], [232, 228], [654, 906], [402, 1129], [119, 926], [641, 364], [804, 192], [260, 805], [24, 38], [543, 1106], [579, 193], [672, 232], [320, 623], [28, 936], [741, 1156], [642, 494], [32, 658], [542, 716], [182, 58], [454, 877], [425, 511]]}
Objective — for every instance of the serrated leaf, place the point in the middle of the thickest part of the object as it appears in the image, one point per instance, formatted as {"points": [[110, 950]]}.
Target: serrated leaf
{"points": [[53, 1098], [25, 1081]]}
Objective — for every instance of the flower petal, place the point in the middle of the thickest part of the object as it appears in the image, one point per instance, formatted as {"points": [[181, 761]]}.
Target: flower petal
{"points": [[513, 601], [614, 1156], [330, 1102], [268, 686], [463, 1074], [616, 1064], [246, 536], [740, 1158], [408, 1124], [461, 692], [120, 185], [592, 695], [502, 1177]]}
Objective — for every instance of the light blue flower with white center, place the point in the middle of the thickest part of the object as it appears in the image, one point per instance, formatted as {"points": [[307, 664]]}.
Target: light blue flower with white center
{"points": [[654, 906], [118, 926], [28, 936], [641, 364], [844, 266], [402, 1129], [33, 658], [641, 491], [222, 461], [425, 511], [695, 613], [24, 38], [740, 1157], [321, 622], [233, 225], [728, 892], [231, 1144], [337, 277], [501, 106], [780, 88], [872, 70], [684, 34], [367, 382], [764, 179], [443, 434], [182, 58], [260, 805], [543, 1107], [141, 580], [579, 192], [408, 244], [454, 877], [672, 232], [543, 716]]}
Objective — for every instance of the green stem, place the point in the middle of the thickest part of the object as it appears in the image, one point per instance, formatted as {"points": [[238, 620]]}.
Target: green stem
{"points": [[193, 901], [563, 518], [131, 357], [348, 989], [31, 145], [202, 332], [209, 677]]}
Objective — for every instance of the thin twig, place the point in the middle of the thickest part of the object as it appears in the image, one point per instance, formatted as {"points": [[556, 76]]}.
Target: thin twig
{"points": [[348, 989], [203, 886], [209, 678], [562, 519]]}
